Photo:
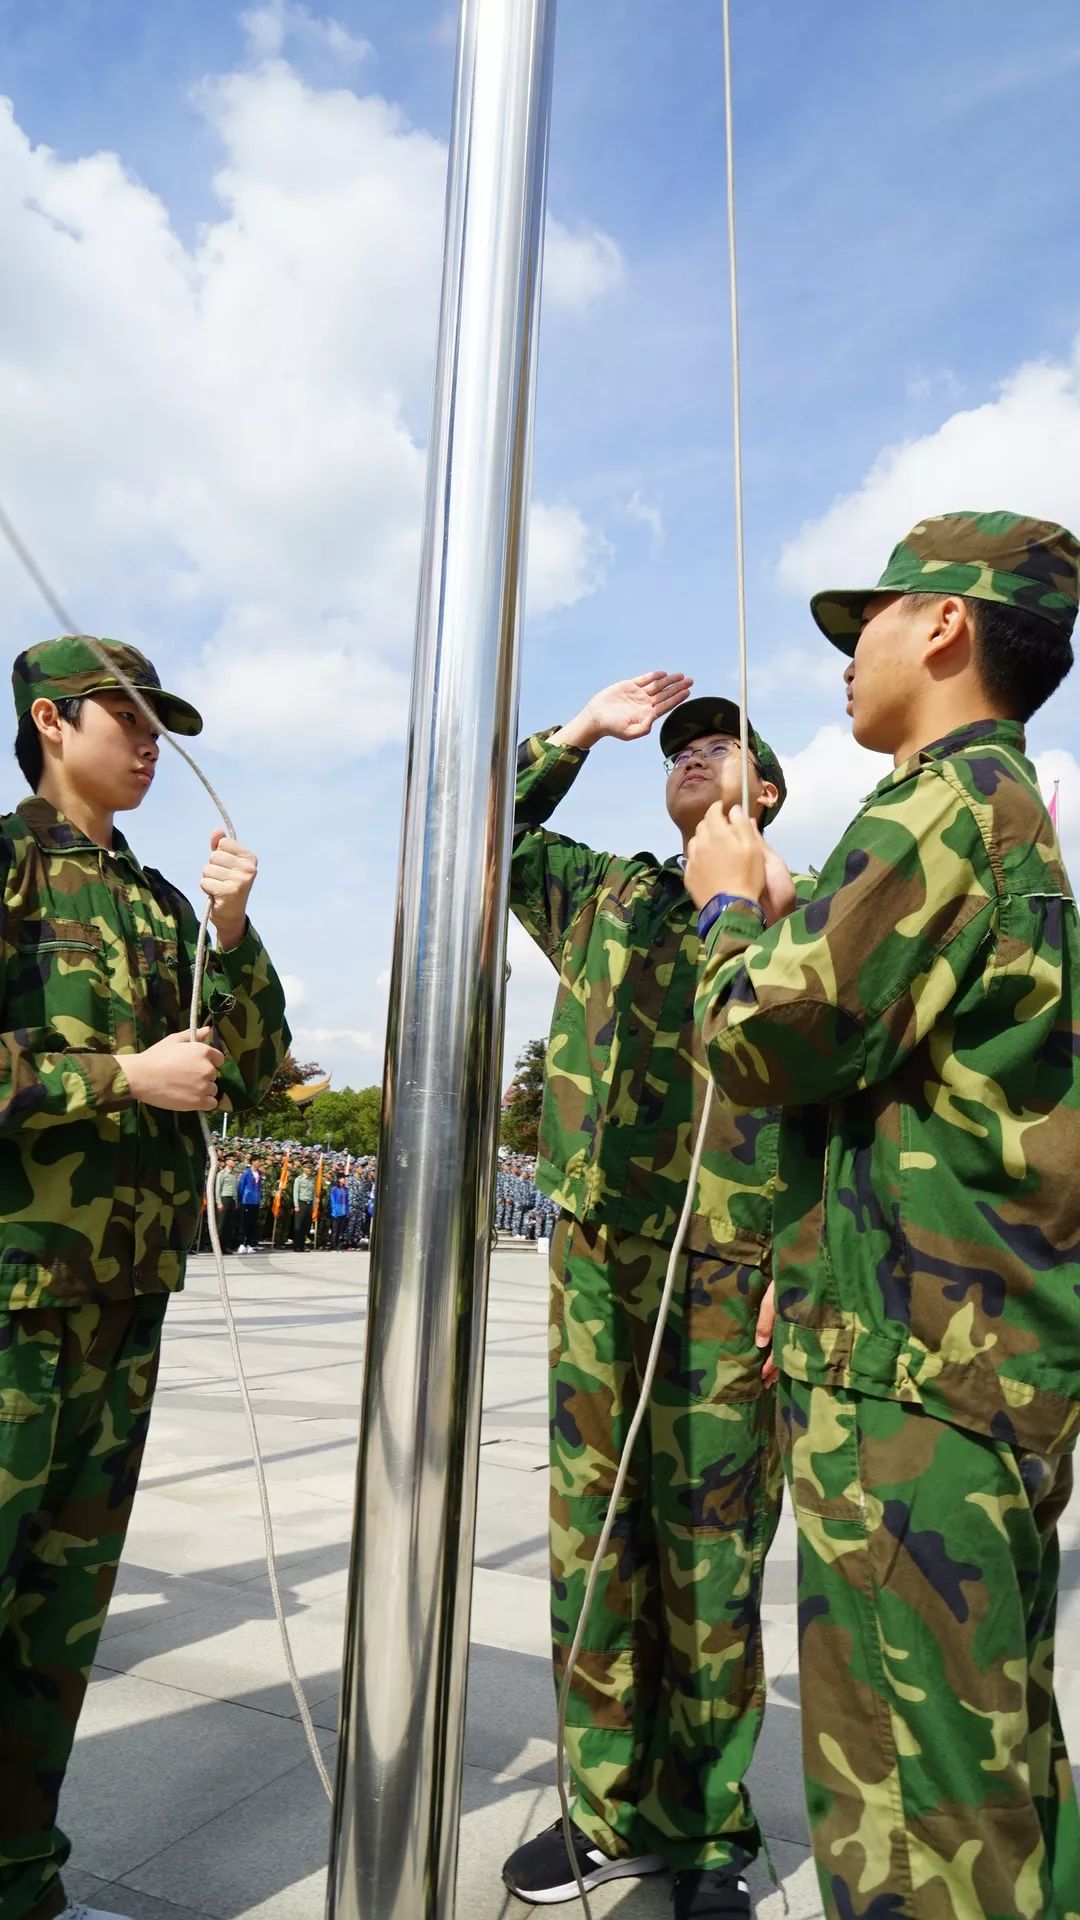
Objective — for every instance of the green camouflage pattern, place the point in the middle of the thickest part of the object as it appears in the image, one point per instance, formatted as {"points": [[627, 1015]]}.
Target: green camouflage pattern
{"points": [[75, 1395], [938, 1784], [100, 1197], [916, 1021], [1022, 563], [707, 714], [69, 669], [626, 1074], [669, 1692]]}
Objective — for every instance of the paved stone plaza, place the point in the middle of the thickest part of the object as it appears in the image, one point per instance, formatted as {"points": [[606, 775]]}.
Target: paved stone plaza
{"points": [[191, 1790]]}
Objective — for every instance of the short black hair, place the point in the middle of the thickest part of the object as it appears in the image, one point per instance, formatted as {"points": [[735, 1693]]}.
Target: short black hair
{"points": [[28, 749], [1021, 658]]}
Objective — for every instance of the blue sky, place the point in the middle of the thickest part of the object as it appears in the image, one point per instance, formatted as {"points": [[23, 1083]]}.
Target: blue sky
{"points": [[215, 390]]}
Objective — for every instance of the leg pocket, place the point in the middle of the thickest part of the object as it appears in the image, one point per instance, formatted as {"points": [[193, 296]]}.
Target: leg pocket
{"points": [[29, 1362]]}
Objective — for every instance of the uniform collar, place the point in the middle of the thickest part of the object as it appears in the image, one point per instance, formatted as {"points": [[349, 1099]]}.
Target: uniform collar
{"points": [[55, 833], [977, 733]]}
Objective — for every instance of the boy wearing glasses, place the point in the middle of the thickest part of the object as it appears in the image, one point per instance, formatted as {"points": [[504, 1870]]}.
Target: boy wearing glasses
{"points": [[668, 1695]]}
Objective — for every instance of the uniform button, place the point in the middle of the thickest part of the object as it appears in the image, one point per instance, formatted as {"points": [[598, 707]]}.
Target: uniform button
{"points": [[614, 1119], [633, 1032]]}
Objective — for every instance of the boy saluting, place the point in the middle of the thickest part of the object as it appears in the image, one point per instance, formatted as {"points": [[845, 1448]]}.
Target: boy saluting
{"points": [[101, 1171], [918, 1023]]}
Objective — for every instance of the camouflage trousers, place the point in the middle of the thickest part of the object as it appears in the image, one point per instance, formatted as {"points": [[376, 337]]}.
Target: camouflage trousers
{"points": [[669, 1691], [75, 1393], [938, 1785]]}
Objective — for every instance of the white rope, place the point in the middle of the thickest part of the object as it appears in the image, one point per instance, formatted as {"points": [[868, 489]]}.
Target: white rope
{"points": [[675, 1257], [736, 414], [52, 600]]}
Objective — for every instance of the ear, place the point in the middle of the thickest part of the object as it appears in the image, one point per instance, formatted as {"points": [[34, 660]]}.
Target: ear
{"points": [[47, 721], [768, 795], [952, 628]]}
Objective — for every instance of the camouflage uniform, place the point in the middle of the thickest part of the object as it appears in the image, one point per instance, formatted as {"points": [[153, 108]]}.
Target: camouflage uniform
{"points": [[669, 1693], [100, 1200], [917, 1021]]}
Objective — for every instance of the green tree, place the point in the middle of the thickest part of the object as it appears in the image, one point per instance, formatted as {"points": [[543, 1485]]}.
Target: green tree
{"points": [[520, 1128], [279, 1118], [348, 1121]]}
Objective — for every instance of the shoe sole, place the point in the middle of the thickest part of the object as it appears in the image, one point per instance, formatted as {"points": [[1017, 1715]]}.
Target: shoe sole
{"points": [[595, 1877]]}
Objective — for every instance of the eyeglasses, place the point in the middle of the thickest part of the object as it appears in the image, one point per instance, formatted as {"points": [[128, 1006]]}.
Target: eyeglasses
{"points": [[717, 750]]}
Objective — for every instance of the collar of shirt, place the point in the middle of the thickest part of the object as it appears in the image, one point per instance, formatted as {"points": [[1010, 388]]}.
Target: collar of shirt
{"points": [[976, 733], [55, 833]]}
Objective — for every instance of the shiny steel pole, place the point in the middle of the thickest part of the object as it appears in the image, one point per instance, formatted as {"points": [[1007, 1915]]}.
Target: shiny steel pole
{"points": [[397, 1801]]}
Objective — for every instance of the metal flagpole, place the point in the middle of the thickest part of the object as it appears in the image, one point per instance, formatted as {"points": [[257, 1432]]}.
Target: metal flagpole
{"points": [[397, 1800]]}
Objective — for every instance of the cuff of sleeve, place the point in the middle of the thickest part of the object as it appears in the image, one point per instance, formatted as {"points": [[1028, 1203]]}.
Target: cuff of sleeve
{"points": [[109, 1084], [541, 746], [236, 961], [733, 930]]}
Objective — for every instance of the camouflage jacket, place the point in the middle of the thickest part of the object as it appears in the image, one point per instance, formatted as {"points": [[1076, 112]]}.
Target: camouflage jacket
{"points": [[918, 1022], [100, 1197], [626, 1073]]}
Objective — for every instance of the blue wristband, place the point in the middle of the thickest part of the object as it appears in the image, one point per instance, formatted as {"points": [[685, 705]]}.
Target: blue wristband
{"points": [[713, 908]]}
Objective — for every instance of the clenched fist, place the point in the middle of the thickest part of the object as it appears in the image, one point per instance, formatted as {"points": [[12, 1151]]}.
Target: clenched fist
{"points": [[228, 878], [177, 1073]]}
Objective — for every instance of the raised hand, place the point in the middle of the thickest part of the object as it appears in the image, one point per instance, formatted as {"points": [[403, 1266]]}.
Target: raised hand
{"points": [[228, 878], [628, 710]]}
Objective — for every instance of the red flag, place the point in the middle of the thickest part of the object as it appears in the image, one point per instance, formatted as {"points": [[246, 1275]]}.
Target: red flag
{"points": [[1054, 806]]}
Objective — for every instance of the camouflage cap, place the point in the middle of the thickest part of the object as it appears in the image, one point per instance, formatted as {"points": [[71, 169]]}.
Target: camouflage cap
{"points": [[69, 669], [710, 714], [1029, 564]]}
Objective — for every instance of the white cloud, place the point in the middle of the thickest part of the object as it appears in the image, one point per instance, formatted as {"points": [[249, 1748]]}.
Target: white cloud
{"points": [[797, 670], [217, 439], [530, 995], [357, 1037], [1020, 450], [826, 781], [580, 267], [296, 993], [568, 559], [269, 27], [647, 513]]}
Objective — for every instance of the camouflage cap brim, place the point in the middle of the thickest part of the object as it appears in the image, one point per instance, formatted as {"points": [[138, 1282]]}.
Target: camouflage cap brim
{"points": [[839, 614], [177, 715]]}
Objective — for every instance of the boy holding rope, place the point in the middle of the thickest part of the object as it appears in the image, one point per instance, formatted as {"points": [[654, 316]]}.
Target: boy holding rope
{"points": [[101, 1169], [918, 1022]]}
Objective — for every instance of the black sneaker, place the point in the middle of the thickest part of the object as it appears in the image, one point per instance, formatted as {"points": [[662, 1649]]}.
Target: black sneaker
{"points": [[541, 1872], [717, 1893]]}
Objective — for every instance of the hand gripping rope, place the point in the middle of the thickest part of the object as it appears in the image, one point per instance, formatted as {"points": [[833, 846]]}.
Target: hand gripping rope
{"points": [[699, 1145], [23, 554]]}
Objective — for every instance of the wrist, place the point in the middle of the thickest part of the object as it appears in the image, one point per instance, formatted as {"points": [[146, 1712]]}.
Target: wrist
{"points": [[719, 904], [582, 732], [230, 932]]}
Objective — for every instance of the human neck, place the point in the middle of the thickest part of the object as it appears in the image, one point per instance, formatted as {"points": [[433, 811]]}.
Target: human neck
{"points": [[936, 718], [94, 821]]}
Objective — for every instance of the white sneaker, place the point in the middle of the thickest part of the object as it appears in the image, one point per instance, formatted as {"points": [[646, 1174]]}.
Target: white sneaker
{"points": [[76, 1911], [241, 1249]]}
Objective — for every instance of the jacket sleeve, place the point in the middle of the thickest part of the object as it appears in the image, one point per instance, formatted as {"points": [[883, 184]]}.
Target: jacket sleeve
{"points": [[551, 877], [40, 1087], [834, 996], [245, 1003]]}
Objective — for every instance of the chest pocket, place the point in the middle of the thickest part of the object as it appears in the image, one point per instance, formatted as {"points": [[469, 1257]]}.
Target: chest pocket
{"points": [[59, 984]]}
